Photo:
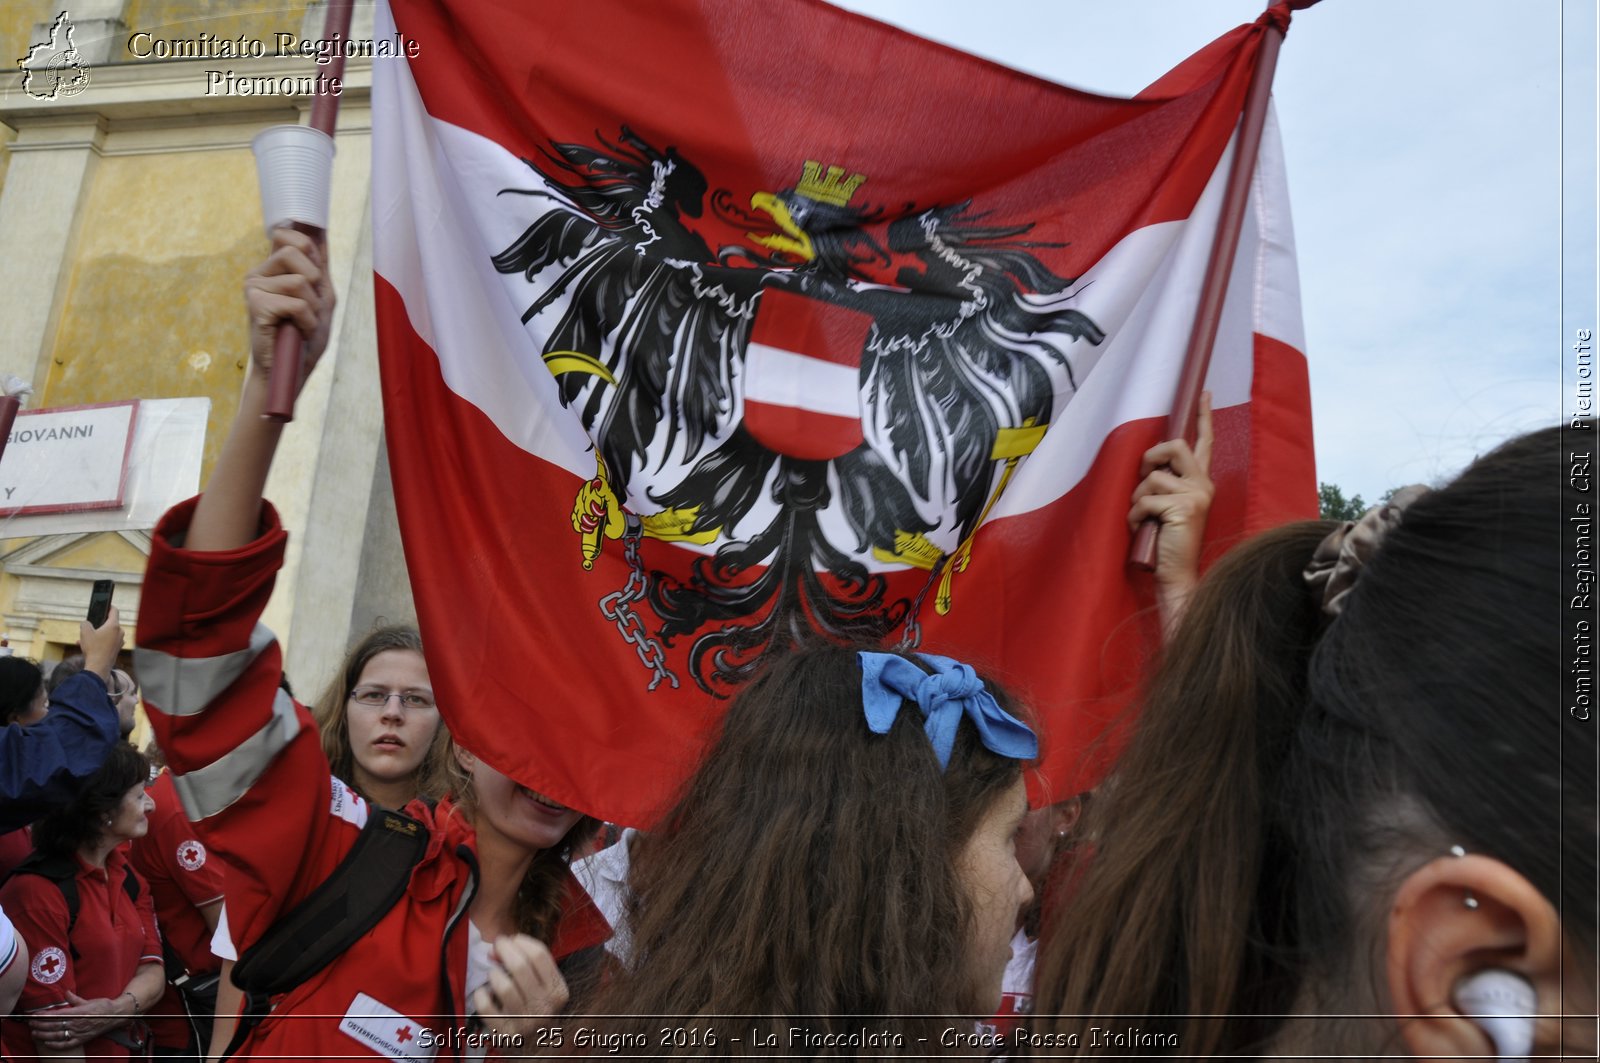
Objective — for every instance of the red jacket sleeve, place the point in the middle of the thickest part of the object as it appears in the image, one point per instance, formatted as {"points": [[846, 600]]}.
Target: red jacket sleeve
{"points": [[246, 758]]}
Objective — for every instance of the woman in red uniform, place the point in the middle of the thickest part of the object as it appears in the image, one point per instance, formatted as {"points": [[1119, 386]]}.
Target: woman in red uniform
{"points": [[91, 976], [379, 721], [249, 766]]}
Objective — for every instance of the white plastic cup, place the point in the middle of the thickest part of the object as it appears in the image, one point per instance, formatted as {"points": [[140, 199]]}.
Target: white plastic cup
{"points": [[295, 166]]}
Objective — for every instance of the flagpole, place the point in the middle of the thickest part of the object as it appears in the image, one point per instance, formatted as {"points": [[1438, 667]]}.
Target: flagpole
{"points": [[9, 406], [284, 383], [1214, 287]]}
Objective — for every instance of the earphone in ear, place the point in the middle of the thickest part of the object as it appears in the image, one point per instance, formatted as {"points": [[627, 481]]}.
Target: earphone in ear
{"points": [[1502, 1003]]}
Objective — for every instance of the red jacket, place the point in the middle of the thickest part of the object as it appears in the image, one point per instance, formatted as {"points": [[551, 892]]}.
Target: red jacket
{"points": [[249, 768]]}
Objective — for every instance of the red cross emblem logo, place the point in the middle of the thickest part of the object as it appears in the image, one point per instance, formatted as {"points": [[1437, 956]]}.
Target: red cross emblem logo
{"points": [[191, 855], [49, 964], [403, 1034]]}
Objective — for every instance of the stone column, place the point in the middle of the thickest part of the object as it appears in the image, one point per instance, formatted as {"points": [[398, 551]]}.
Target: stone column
{"points": [[52, 164]]}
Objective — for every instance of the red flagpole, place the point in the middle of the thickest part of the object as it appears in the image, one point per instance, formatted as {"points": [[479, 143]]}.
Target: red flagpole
{"points": [[284, 383], [1214, 288], [9, 405]]}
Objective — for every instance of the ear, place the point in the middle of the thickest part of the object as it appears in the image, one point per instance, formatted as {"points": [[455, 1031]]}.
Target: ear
{"points": [[1067, 814], [468, 762], [1436, 940]]}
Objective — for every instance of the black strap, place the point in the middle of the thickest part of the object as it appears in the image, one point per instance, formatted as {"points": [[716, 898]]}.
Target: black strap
{"points": [[63, 871], [368, 882]]}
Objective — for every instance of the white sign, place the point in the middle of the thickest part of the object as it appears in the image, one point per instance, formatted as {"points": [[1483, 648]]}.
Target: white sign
{"points": [[163, 467], [67, 459]]}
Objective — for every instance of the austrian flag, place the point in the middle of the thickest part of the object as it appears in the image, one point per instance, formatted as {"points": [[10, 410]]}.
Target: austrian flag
{"points": [[710, 329]]}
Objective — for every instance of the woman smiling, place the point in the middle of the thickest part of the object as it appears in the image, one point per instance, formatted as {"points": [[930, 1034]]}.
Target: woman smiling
{"points": [[90, 1008]]}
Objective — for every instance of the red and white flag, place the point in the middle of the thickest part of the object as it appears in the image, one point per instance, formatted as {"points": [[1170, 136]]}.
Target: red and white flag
{"points": [[712, 328]]}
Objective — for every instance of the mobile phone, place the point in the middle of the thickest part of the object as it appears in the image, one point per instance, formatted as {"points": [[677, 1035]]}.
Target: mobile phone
{"points": [[100, 601]]}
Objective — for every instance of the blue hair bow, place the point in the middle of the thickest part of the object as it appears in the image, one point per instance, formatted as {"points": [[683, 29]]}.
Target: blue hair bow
{"points": [[952, 688]]}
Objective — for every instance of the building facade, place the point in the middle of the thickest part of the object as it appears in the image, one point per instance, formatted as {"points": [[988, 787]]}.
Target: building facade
{"points": [[129, 214]]}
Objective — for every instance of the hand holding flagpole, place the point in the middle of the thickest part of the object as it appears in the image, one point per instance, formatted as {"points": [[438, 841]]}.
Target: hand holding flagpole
{"points": [[296, 168], [1177, 492], [1214, 288]]}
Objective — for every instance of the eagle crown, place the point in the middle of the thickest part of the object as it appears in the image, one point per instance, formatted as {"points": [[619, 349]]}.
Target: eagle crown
{"points": [[830, 187]]}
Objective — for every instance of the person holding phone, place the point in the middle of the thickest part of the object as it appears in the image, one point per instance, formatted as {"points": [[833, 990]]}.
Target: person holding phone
{"points": [[249, 765], [44, 764]]}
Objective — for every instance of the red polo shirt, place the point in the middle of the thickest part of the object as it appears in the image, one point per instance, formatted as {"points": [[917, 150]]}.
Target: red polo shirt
{"points": [[113, 936], [184, 877]]}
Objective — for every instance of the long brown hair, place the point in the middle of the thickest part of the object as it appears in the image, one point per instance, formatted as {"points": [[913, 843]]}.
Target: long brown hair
{"points": [[1154, 926], [1288, 770], [332, 710], [537, 909], [806, 876]]}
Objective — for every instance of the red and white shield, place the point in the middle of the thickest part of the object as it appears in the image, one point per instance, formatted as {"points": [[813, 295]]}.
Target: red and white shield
{"points": [[802, 376]]}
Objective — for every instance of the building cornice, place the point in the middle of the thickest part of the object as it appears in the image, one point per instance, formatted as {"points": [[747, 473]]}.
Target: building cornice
{"points": [[156, 94]]}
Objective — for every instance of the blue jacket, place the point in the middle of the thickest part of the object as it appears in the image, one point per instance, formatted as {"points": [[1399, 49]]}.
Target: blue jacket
{"points": [[42, 767]]}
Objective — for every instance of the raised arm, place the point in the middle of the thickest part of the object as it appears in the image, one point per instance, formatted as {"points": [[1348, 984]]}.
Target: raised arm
{"points": [[293, 285], [245, 757]]}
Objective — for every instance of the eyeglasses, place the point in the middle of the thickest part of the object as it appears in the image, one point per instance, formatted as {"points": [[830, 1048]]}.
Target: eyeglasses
{"points": [[119, 692], [374, 698]]}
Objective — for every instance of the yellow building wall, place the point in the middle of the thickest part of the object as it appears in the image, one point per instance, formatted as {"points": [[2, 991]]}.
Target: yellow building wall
{"points": [[16, 30], [187, 19], [167, 19], [153, 306], [108, 552]]}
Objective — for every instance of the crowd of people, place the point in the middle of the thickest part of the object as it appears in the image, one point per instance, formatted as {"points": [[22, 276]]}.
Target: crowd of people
{"points": [[1346, 821]]}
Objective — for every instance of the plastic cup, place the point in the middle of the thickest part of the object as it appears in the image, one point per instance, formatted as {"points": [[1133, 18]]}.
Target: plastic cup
{"points": [[295, 166]]}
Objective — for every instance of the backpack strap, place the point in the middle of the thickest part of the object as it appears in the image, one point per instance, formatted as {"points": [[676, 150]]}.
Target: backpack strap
{"points": [[63, 871], [368, 882]]}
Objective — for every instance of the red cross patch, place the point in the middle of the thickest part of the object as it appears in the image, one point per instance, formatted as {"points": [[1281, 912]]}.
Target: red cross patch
{"points": [[49, 965], [191, 855]]}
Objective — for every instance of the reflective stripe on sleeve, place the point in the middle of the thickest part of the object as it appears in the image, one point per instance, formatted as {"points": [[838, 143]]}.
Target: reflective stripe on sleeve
{"points": [[184, 686], [208, 790]]}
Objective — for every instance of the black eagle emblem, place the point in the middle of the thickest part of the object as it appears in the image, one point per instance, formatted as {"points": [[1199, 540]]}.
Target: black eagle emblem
{"points": [[956, 337]]}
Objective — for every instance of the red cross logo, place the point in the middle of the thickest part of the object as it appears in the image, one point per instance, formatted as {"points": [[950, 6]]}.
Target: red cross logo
{"points": [[403, 1034], [49, 965], [191, 855]]}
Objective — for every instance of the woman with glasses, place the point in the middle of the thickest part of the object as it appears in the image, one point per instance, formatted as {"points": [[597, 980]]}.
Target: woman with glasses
{"points": [[380, 726], [453, 964]]}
